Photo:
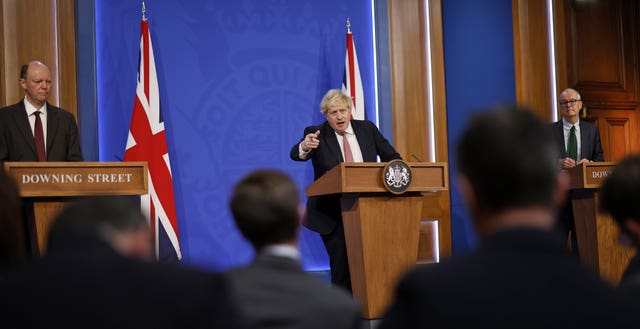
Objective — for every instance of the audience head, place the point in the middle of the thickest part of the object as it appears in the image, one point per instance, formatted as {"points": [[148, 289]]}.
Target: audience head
{"points": [[114, 220], [35, 79], [11, 223], [507, 159], [265, 208], [620, 194]]}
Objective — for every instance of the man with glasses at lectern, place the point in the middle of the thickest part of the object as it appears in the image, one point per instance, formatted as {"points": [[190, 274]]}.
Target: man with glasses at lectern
{"points": [[578, 141]]}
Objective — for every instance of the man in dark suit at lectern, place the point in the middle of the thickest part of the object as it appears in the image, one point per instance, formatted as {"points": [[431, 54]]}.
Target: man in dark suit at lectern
{"points": [[578, 141], [521, 275], [338, 139], [33, 129]]}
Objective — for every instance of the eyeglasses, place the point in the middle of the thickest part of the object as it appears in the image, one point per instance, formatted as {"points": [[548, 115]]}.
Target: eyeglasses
{"points": [[569, 102]]}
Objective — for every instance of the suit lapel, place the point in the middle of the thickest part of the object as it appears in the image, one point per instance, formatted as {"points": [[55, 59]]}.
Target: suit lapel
{"points": [[332, 142], [363, 140], [53, 121], [584, 132], [21, 121], [559, 134]]}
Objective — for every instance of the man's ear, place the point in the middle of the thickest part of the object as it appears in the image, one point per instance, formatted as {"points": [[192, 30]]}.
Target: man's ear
{"points": [[562, 188], [467, 192], [633, 228], [23, 83]]}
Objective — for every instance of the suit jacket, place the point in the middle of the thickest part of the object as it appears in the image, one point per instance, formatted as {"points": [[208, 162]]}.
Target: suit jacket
{"points": [[324, 212], [16, 138], [83, 283], [274, 292], [590, 146], [518, 278]]}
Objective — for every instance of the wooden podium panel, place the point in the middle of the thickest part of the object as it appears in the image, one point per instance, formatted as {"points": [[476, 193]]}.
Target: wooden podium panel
{"points": [[359, 177], [597, 234], [381, 229], [47, 187], [382, 244]]}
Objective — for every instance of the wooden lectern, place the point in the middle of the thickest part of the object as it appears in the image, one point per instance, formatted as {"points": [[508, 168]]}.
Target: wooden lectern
{"points": [[46, 187], [381, 229], [596, 233]]}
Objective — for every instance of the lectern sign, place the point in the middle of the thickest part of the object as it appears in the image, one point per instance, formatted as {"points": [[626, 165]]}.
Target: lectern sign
{"points": [[42, 179], [397, 176]]}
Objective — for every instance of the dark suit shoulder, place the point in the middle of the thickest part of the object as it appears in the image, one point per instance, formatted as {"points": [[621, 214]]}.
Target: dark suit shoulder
{"points": [[60, 111]]}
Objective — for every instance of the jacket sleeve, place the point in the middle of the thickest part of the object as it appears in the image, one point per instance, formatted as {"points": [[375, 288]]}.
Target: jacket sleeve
{"points": [[598, 154], [295, 149]]}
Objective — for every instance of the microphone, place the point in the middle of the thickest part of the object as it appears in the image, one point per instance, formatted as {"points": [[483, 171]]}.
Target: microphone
{"points": [[416, 157], [117, 157]]}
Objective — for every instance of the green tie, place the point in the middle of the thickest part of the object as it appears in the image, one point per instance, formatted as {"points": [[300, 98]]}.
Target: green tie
{"points": [[572, 147]]}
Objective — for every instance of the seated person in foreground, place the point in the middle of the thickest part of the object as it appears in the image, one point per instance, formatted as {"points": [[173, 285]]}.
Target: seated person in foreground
{"points": [[619, 197], [274, 291], [521, 275], [97, 274]]}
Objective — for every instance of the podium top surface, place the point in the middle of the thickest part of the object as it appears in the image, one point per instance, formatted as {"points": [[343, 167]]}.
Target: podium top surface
{"points": [[589, 175], [367, 177], [65, 179]]}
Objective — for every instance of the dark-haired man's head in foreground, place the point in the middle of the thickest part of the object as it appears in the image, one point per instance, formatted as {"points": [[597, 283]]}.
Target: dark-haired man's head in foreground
{"points": [[620, 196], [265, 206], [507, 162], [114, 220]]}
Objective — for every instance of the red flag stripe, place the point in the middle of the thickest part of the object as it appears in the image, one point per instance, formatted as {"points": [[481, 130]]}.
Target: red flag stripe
{"points": [[351, 77], [147, 142]]}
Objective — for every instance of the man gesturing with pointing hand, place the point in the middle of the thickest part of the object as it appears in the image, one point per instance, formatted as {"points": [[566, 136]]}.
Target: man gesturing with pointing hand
{"points": [[338, 139]]}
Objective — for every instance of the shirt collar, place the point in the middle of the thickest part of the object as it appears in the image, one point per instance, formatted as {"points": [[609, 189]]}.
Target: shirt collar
{"points": [[567, 125], [349, 130], [30, 108], [283, 250]]}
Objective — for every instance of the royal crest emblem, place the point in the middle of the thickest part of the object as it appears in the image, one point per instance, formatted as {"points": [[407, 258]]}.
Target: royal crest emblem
{"points": [[397, 176]]}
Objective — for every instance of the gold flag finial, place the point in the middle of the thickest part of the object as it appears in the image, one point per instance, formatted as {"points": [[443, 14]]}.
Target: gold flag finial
{"points": [[348, 26], [144, 11]]}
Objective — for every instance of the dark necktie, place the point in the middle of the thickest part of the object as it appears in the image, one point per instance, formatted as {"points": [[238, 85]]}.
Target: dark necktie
{"points": [[38, 137], [572, 145], [348, 156]]}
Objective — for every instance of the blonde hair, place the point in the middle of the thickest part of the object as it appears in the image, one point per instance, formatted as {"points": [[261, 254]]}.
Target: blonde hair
{"points": [[334, 96]]}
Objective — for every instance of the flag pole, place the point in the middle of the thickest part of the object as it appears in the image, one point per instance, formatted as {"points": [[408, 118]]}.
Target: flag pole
{"points": [[348, 25], [144, 11]]}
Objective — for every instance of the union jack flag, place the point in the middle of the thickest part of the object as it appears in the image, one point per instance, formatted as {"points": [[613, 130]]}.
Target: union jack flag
{"points": [[351, 81], [147, 142]]}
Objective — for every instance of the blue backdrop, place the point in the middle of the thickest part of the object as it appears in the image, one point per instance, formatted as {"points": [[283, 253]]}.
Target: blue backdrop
{"points": [[479, 72], [239, 81]]}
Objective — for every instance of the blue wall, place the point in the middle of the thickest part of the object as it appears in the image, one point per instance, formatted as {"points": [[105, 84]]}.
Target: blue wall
{"points": [[239, 80], [479, 72]]}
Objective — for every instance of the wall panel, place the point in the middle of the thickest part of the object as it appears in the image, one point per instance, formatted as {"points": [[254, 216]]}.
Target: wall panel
{"points": [[419, 134], [603, 64], [532, 57], [43, 30]]}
